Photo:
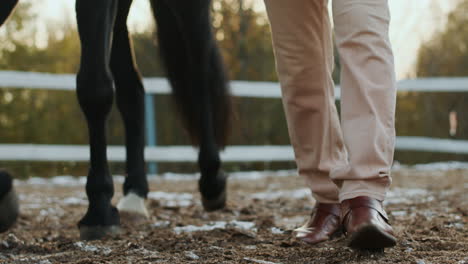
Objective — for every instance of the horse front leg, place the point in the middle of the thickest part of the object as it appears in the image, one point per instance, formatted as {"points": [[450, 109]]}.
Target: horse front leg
{"points": [[95, 96], [131, 104], [215, 118]]}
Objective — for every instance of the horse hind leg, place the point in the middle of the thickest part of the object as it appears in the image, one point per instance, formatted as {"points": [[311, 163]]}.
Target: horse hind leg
{"points": [[9, 207], [215, 105], [130, 102], [199, 86], [95, 96]]}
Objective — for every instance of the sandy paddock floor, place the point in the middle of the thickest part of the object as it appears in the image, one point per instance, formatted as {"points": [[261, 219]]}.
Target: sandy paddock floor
{"points": [[428, 209]]}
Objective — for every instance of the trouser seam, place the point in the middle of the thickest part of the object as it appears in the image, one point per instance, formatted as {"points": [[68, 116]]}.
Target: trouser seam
{"points": [[325, 77]]}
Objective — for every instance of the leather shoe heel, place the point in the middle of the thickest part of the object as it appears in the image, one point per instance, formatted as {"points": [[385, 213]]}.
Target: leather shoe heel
{"points": [[366, 224]]}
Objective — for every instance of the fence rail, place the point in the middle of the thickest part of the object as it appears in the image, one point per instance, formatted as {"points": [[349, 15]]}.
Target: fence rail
{"points": [[78, 153], [35, 80], [153, 153]]}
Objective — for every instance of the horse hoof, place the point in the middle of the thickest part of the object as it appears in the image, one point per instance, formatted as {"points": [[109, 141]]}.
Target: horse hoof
{"points": [[133, 205], [98, 232], [213, 193], [9, 206], [217, 203]]}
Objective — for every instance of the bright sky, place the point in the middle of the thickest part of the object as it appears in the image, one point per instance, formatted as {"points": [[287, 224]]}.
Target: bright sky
{"points": [[413, 21]]}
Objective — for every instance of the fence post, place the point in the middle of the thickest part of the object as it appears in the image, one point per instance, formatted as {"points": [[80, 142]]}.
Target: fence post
{"points": [[150, 127]]}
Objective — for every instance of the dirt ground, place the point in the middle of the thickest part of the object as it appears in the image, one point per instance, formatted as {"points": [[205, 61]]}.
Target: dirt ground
{"points": [[428, 210]]}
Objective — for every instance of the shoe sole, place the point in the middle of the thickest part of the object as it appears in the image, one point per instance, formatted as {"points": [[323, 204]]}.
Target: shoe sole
{"points": [[371, 237]]}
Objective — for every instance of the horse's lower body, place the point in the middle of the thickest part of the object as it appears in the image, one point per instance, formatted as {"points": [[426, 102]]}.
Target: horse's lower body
{"points": [[108, 70], [8, 202]]}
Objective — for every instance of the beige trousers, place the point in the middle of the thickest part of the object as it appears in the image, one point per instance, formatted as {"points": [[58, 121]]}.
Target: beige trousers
{"points": [[353, 159]]}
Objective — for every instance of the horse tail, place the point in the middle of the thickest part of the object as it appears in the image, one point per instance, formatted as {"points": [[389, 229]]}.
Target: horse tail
{"points": [[194, 67], [6, 9]]}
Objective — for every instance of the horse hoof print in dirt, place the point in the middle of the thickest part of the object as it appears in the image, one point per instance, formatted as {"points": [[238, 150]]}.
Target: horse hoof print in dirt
{"points": [[9, 208]]}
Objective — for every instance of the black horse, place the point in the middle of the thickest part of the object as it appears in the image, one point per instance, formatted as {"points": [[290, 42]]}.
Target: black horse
{"points": [[197, 77]]}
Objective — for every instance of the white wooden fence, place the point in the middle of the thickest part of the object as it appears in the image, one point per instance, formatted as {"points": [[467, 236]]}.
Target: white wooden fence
{"points": [[36, 152]]}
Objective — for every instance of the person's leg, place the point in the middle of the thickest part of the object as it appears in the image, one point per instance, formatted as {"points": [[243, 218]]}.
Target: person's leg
{"points": [[304, 59], [368, 115], [368, 97]]}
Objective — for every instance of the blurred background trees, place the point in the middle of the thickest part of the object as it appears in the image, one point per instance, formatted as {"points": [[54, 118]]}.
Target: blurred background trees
{"points": [[427, 114], [53, 117]]}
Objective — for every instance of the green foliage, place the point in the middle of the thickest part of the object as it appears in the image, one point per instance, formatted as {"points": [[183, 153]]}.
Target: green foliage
{"points": [[446, 54], [427, 114]]}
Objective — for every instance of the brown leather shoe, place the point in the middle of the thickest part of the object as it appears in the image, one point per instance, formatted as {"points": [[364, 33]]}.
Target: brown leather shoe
{"points": [[324, 223], [365, 223]]}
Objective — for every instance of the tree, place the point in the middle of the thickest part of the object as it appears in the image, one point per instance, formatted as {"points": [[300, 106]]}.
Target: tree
{"points": [[445, 54]]}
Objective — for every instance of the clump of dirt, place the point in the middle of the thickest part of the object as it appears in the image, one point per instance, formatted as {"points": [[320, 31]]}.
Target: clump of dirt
{"points": [[428, 212]]}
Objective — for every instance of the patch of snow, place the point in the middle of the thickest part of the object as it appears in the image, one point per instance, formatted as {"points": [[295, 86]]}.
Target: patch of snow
{"points": [[399, 213], [170, 176], [147, 254], [51, 212], [191, 255], [161, 224], [243, 175], [64, 180], [74, 201], [68, 180], [216, 248], [443, 166], [208, 227], [429, 214], [251, 247], [240, 226], [173, 199], [459, 226], [260, 261], [35, 181], [406, 195], [276, 231], [259, 175], [292, 194], [91, 248]]}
